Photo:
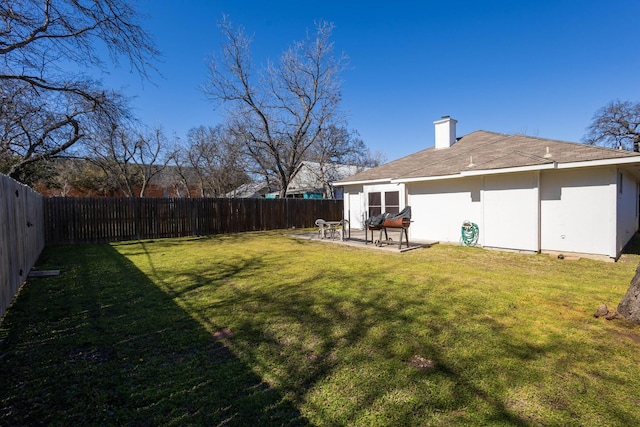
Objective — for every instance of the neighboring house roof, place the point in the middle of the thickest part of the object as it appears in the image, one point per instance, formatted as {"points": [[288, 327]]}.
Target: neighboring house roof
{"points": [[250, 190], [333, 171], [311, 174], [307, 178], [483, 152]]}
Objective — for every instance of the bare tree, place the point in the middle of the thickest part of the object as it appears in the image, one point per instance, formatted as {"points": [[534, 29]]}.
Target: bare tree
{"points": [[337, 147], [282, 111], [369, 159], [150, 156], [616, 125], [45, 108], [182, 174], [129, 159], [75, 176], [36, 125], [213, 158], [114, 150]]}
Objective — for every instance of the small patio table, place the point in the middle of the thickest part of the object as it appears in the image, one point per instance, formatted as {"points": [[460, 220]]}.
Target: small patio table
{"points": [[332, 227]]}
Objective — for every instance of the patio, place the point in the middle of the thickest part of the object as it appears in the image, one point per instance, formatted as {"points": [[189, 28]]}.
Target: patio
{"points": [[358, 238]]}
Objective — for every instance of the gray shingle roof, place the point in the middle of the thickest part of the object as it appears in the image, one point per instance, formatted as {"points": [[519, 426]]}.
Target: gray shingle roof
{"points": [[487, 151]]}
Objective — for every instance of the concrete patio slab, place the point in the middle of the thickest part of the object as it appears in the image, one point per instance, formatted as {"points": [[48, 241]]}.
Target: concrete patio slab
{"points": [[357, 238]]}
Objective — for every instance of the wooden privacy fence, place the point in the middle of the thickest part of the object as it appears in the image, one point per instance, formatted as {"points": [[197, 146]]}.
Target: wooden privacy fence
{"points": [[21, 236], [97, 220]]}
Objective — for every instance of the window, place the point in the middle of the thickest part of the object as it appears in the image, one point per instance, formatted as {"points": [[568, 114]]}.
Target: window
{"points": [[392, 202], [375, 204]]}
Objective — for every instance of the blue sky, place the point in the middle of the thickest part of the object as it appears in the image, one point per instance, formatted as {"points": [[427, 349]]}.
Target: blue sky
{"points": [[540, 68]]}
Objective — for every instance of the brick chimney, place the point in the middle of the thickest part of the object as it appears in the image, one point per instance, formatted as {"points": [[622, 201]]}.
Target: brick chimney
{"points": [[445, 132]]}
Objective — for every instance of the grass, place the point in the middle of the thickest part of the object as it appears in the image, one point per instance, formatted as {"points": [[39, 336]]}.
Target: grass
{"points": [[266, 329]]}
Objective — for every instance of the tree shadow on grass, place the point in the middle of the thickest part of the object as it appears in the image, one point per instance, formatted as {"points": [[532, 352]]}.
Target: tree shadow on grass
{"points": [[342, 344], [304, 335], [101, 344], [104, 345], [325, 354]]}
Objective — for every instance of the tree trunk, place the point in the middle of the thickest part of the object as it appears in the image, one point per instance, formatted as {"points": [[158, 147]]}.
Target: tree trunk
{"points": [[629, 307]]}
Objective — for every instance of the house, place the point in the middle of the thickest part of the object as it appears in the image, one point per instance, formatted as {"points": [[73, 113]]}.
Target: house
{"points": [[250, 190], [311, 180], [524, 193], [314, 180]]}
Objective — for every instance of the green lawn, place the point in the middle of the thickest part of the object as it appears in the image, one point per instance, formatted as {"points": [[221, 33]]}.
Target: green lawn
{"points": [[268, 329]]}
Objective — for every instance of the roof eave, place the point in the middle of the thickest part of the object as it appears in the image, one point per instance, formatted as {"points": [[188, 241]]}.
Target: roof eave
{"points": [[364, 181], [481, 172], [602, 162], [478, 172], [552, 165], [424, 178]]}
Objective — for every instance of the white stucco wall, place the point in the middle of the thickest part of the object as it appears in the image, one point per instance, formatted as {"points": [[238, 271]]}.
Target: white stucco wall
{"points": [[440, 207], [510, 211], [578, 210], [504, 206]]}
